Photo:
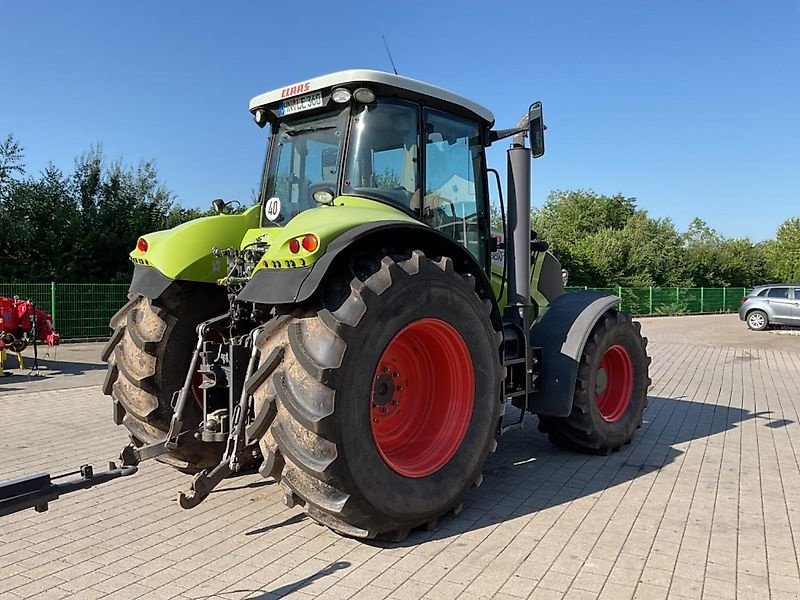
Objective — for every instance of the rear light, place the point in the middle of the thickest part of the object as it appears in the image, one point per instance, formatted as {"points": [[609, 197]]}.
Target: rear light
{"points": [[744, 299], [310, 242], [141, 245]]}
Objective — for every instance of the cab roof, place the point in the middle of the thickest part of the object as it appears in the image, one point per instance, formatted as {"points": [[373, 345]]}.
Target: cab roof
{"points": [[381, 80]]}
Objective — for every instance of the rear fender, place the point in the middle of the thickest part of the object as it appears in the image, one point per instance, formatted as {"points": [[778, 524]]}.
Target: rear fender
{"points": [[562, 332], [184, 252]]}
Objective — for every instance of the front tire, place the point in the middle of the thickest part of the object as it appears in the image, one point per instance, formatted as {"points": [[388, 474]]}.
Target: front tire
{"points": [[357, 437], [611, 390]]}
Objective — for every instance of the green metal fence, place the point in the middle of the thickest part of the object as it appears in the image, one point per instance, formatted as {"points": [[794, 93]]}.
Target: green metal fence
{"points": [[675, 300], [82, 310]]}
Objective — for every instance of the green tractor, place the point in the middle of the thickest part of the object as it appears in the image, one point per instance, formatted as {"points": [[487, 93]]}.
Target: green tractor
{"points": [[360, 333]]}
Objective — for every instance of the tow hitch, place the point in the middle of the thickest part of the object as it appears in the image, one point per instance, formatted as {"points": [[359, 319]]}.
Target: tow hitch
{"points": [[37, 491]]}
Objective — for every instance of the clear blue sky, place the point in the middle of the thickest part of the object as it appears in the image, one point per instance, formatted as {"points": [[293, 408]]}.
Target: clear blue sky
{"points": [[691, 107]]}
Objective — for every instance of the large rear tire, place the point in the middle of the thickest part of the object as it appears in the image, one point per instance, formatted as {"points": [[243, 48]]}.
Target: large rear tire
{"points": [[611, 390], [148, 355], [387, 398]]}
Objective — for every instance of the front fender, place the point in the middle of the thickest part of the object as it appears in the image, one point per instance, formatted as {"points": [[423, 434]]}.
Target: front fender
{"points": [[562, 332], [184, 252]]}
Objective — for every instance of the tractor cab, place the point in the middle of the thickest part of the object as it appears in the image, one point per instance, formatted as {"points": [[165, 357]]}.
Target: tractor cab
{"points": [[380, 137]]}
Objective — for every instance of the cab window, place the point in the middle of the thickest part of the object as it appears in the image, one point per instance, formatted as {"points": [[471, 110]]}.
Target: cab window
{"points": [[382, 161], [453, 194], [304, 158]]}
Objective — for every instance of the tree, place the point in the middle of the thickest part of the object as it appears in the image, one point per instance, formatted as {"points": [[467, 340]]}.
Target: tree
{"points": [[714, 261], [783, 253], [605, 240], [567, 216], [11, 161], [78, 227]]}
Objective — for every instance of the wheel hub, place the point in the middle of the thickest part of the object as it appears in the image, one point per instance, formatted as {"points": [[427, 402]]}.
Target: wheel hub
{"points": [[614, 383], [423, 392], [383, 390]]}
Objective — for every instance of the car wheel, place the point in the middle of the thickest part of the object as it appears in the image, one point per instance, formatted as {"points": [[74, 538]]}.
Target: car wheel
{"points": [[757, 320]]}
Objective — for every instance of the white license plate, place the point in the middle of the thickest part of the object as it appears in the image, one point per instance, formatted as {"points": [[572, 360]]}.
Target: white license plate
{"points": [[295, 105]]}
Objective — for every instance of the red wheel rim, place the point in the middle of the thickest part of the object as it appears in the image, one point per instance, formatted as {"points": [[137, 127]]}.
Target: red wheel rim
{"points": [[423, 392], [614, 383]]}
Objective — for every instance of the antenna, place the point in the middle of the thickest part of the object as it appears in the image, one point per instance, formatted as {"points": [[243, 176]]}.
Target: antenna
{"points": [[389, 53]]}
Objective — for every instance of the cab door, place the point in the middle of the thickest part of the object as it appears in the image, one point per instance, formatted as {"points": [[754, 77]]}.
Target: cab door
{"points": [[455, 202]]}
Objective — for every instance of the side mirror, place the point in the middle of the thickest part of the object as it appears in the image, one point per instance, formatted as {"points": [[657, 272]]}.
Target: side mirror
{"points": [[219, 206], [536, 129]]}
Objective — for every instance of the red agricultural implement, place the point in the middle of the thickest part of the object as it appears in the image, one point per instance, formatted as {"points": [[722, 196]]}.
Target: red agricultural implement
{"points": [[21, 324]]}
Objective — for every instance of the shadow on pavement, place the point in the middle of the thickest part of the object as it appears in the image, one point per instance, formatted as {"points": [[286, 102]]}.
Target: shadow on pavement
{"points": [[49, 368], [528, 473], [51, 375], [291, 588], [293, 520]]}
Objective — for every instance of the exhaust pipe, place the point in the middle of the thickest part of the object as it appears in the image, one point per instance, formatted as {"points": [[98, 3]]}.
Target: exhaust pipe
{"points": [[518, 236]]}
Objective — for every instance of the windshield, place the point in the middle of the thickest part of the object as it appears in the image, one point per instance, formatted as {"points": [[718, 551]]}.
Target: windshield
{"points": [[305, 157]]}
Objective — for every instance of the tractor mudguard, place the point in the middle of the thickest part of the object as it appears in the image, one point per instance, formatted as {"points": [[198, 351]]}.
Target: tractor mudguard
{"points": [[288, 286], [184, 252], [562, 332], [149, 282]]}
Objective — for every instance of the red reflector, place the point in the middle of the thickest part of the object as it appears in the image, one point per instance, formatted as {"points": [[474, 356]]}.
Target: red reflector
{"points": [[294, 246], [310, 242], [141, 245]]}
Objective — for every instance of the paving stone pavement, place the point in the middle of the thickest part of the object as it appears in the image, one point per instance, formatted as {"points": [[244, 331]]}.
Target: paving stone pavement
{"points": [[705, 503]]}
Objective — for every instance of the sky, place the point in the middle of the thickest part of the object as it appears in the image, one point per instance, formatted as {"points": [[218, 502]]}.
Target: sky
{"points": [[690, 106]]}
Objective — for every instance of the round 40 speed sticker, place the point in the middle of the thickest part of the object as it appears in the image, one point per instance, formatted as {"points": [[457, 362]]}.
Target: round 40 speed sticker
{"points": [[272, 209]]}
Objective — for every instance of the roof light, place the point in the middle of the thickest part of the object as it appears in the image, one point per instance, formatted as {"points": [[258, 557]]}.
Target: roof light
{"points": [[260, 117], [364, 95], [340, 95], [141, 245], [310, 242], [294, 246]]}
